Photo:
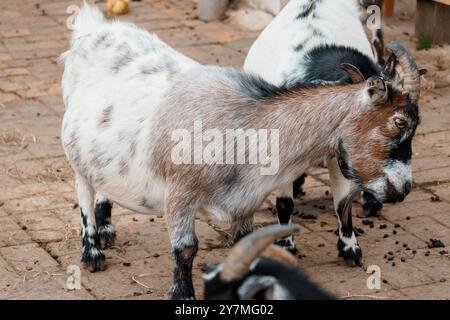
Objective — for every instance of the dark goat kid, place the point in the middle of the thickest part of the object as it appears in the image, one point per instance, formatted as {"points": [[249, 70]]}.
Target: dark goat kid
{"points": [[257, 270]]}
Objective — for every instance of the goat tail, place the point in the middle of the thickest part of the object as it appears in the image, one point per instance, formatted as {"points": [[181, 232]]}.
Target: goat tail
{"points": [[82, 22], [88, 19]]}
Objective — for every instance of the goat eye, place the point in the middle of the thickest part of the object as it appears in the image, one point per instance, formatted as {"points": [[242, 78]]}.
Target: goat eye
{"points": [[400, 123]]}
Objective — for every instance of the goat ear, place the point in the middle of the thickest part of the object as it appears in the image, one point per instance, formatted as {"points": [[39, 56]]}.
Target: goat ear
{"points": [[377, 90], [353, 72]]}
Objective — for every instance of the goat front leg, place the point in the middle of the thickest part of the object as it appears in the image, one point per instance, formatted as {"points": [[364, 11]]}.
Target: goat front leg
{"points": [[92, 256], [181, 225], [285, 209], [341, 187], [105, 229]]}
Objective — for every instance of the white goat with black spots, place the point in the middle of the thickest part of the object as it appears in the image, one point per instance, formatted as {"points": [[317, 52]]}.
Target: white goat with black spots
{"points": [[126, 93], [310, 41]]}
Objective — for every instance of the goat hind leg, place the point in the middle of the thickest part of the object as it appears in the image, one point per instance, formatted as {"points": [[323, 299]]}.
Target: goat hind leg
{"points": [[181, 226], [105, 229], [285, 209], [298, 186], [92, 256], [347, 244]]}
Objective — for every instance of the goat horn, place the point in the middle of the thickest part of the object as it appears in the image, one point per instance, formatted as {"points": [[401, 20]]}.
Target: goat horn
{"points": [[281, 255], [406, 70], [249, 248]]}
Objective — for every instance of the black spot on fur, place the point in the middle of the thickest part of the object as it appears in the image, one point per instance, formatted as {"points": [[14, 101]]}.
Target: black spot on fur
{"points": [[308, 9], [104, 40], [105, 117], [123, 167], [299, 47], [124, 57], [144, 203]]}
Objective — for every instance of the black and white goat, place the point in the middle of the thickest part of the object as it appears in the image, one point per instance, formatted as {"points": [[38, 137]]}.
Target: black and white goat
{"points": [[131, 101], [314, 41], [256, 269], [377, 37]]}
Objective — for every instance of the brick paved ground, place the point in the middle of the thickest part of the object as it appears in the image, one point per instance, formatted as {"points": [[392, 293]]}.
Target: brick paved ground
{"points": [[39, 221]]}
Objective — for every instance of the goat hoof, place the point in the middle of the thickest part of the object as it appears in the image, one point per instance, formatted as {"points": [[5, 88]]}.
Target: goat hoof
{"points": [[287, 244], [94, 259], [107, 236], [351, 255]]}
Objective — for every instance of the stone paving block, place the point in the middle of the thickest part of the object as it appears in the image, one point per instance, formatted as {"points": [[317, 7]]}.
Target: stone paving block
{"points": [[10, 232], [8, 279], [436, 162], [44, 227], [214, 54], [435, 291], [437, 141], [433, 176], [23, 190], [317, 248], [426, 228], [443, 191], [28, 257], [353, 284], [184, 37], [401, 275], [433, 263], [49, 287], [400, 212]]}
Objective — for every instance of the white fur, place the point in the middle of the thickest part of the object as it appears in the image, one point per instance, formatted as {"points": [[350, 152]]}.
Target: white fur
{"points": [[88, 84]]}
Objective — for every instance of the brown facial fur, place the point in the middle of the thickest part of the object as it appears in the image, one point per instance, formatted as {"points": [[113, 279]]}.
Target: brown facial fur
{"points": [[368, 151]]}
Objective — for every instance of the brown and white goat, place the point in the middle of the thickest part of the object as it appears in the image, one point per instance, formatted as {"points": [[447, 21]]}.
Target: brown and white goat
{"points": [[127, 94]]}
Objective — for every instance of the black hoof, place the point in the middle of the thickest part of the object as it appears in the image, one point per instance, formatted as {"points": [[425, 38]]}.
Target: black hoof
{"points": [[107, 235], [352, 255], [288, 245], [94, 259]]}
